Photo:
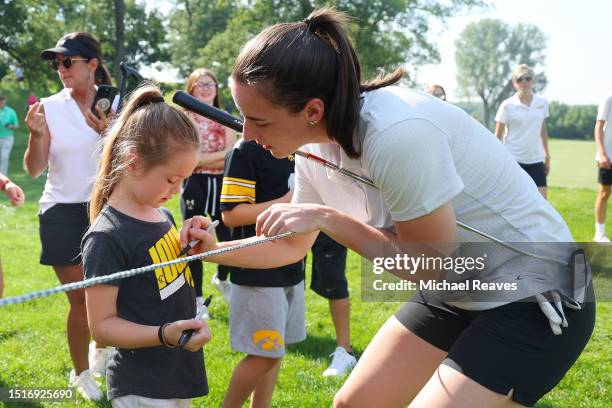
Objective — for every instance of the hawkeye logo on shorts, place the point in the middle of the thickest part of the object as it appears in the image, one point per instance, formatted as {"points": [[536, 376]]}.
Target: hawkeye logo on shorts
{"points": [[268, 340], [170, 278]]}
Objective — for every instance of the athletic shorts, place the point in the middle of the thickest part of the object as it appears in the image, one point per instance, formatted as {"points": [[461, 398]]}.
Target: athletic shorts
{"points": [[264, 320], [507, 348], [329, 268], [537, 171], [605, 176], [61, 229]]}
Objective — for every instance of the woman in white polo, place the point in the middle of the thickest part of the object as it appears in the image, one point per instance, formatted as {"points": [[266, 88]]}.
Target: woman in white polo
{"points": [[521, 125]]}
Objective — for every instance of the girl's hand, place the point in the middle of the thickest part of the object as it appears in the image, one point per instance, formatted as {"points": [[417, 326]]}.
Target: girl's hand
{"points": [[14, 193], [35, 120], [98, 123], [195, 228], [281, 218], [202, 335]]}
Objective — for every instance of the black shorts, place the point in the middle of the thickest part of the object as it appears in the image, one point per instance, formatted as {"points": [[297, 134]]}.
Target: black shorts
{"points": [[605, 176], [537, 171], [329, 268], [507, 348], [61, 229]]}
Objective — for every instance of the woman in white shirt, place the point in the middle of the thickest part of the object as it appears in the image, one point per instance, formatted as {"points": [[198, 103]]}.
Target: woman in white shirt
{"points": [[298, 86], [521, 125], [65, 136]]}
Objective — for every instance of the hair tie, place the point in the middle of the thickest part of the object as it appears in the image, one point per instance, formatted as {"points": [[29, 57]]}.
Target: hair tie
{"points": [[155, 99], [308, 23], [324, 35]]}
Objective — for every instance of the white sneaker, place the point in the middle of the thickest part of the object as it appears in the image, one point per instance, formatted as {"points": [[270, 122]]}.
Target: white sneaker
{"points": [[601, 238], [225, 287], [342, 363], [86, 385], [97, 360]]}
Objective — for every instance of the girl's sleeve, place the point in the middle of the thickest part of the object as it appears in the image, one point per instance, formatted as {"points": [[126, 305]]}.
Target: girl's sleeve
{"points": [[102, 256]]}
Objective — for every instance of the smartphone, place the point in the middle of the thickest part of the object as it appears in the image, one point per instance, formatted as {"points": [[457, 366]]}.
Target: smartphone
{"points": [[104, 99]]}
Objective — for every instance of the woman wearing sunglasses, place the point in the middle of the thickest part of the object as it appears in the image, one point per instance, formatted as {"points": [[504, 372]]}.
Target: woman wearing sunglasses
{"points": [[202, 190], [298, 86], [521, 125], [64, 138]]}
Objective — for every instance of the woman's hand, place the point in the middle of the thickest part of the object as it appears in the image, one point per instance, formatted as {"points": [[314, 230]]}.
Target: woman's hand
{"points": [[604, 161], [202, 334], [547, 165], [195, 229], [14, 193], [98, 123], [299, 218], [35, 120]]}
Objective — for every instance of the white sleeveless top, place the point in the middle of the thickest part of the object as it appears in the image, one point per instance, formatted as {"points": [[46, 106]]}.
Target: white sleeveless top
{"points": [[73, 152]]}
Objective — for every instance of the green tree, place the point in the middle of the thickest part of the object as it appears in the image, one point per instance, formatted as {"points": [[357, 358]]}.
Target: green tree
{"points": [[571, 121], [29, 26], [192, 24], [386, 34], [486, 53]]}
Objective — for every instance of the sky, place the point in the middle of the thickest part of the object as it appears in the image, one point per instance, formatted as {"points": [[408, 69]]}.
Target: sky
{"points": [[579, 57], [579, 52]]}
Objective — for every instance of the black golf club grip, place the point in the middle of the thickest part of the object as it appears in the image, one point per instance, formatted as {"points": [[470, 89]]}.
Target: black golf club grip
{"points": [[187, 101]]}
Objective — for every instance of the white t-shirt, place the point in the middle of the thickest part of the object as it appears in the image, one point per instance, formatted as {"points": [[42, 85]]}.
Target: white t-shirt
{"points": [[422, 153], [523, 127], [74, 150], [604, 112]]}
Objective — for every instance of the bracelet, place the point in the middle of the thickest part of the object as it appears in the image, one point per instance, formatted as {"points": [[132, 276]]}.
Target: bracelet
{"points": [[162, 337]]}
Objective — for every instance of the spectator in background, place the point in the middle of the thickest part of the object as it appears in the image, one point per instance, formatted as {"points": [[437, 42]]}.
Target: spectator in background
{"points": [[19, 75], [32, 99], [521, 125], [437, 91], [65, 136], [16, 196], [202, 190], [8, 124], [603, 141]]}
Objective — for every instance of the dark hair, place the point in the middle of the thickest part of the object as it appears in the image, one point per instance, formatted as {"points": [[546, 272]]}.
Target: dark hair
{"points": [[147, 127], [102, 76], [311, 59]]}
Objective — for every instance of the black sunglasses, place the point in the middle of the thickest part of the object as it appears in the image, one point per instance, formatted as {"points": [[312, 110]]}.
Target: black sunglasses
{"points": [[524, 79], [66, 62]]}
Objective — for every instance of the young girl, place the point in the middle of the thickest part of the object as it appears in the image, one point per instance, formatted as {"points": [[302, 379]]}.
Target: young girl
{"points": [[298, 86], [148, 152]]}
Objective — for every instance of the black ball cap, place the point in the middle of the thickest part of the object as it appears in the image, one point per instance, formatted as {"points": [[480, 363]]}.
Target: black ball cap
{"points": [[68, 47]]}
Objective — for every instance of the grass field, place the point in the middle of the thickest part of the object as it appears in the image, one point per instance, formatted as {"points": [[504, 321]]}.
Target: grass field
{"points": [[33, 351], [572, 164]]}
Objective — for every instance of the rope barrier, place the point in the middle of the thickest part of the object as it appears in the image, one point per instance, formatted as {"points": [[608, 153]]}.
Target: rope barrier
{"points": [[131, 272]]}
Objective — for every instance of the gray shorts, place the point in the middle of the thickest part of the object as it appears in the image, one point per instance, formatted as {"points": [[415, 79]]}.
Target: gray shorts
{"points": [[136, 401], [264, 320]]}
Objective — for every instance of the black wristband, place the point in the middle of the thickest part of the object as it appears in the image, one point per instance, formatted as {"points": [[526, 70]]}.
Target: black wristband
{"points": [[159, 334], [162, 336]]}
